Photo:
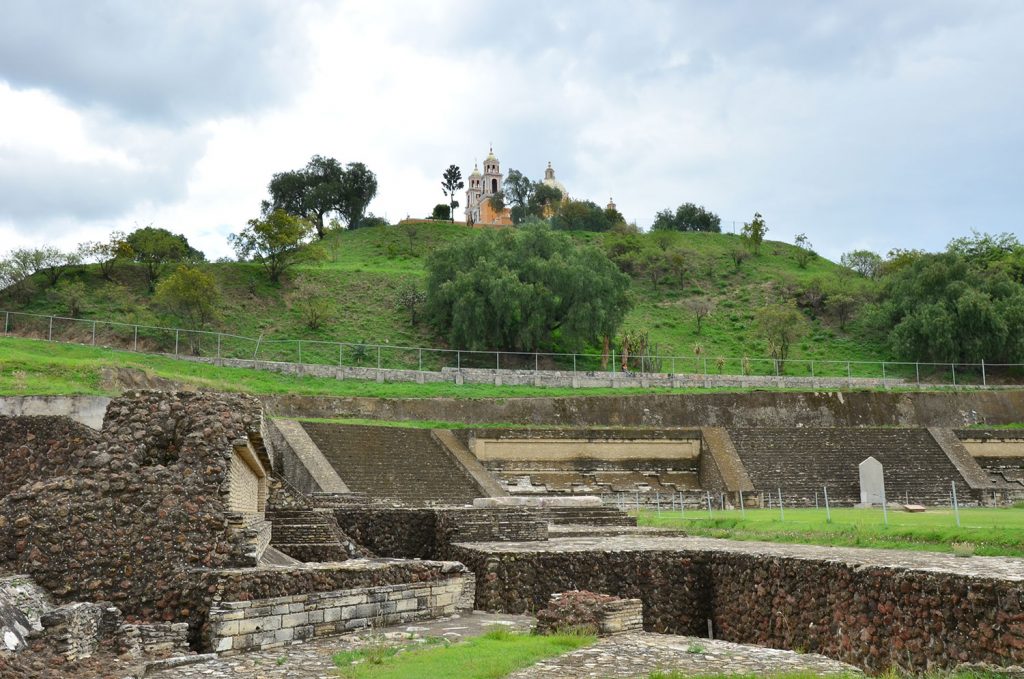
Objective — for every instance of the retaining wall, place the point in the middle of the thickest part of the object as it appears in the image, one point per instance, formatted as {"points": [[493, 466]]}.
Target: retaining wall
{"points": [[861, 606], [729, 409]]}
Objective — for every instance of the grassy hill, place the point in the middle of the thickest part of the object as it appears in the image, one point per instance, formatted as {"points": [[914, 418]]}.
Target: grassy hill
{"points": [[363, 270]]}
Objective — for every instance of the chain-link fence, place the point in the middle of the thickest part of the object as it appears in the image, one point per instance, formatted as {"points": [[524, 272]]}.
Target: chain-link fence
{"points": [[181, 342]]}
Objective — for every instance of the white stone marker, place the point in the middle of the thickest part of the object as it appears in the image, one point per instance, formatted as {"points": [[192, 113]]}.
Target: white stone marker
{"points": [[872, 483]]}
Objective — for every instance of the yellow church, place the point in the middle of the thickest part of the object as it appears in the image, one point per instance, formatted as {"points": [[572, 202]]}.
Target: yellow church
{"points": [[479, 211]]}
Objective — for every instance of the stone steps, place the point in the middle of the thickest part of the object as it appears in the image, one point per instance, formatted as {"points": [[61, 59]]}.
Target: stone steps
{"points": [[307, 535], [407, 465], [800, 461]]}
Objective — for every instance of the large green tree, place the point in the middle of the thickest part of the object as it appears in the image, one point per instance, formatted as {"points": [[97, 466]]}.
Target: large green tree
{"points": [[451, 182], [525, 289], [948, 307], [191, 295], [277, 241], [580, 215], [687, 217], [321, 188], [157, 249]]}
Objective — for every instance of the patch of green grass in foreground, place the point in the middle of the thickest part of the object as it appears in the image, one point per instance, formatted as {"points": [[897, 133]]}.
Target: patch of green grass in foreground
{"points": [[990, 531], [811, 675], [495, 654]]}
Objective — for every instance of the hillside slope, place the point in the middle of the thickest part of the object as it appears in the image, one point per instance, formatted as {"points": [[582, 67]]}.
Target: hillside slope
{"points": [[363, 270]]}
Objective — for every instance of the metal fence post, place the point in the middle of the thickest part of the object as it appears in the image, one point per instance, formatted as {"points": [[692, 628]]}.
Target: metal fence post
{"points": [[175, 343], [952, 367], [341, 348], [7, 322], [378, 357], [917, 371], [983, 382], [421, 360], [458, 360], [49, 334], [497, 360], [218, 346], [536, 362], [574, 364], [849, 372], [94, 333], [135, 343], [300, 352]]}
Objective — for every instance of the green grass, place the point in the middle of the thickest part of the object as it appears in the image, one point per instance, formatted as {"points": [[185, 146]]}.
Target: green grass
{"points": [[364, 269], [811, 675], [1009, 425], [38, 367], [495, 654], [992, 531]]}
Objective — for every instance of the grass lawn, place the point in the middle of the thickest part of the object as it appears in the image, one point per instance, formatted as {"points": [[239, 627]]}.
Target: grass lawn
{"points": [[495, 654], [991, 531]]}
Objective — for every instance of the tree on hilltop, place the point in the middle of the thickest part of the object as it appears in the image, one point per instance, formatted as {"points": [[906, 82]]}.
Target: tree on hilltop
{"points": [[687, 217], [451, 182], [753, 233], [321, 188]]}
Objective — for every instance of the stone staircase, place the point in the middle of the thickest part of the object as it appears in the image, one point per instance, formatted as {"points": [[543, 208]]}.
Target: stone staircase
{"points": [[309, 535], [800, 461], [407, 465]]}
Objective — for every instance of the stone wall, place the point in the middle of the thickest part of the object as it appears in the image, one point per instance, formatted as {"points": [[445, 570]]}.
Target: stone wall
{"points": [[210, 591], [874, 616], [429, 533], [38, 448], [727, 409], [147, 504], [237, 626]]}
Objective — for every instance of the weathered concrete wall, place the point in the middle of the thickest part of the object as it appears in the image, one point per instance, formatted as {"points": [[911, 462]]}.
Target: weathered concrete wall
{"points": [[88, 410], [296, 458], [753, 409], [866, 607]]}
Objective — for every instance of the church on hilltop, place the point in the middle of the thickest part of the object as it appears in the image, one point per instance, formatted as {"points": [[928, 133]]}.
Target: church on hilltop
{"points": [[479, 211]]}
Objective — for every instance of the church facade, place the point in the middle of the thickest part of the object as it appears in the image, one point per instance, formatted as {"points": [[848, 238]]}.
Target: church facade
{"points": [[479, 211]]}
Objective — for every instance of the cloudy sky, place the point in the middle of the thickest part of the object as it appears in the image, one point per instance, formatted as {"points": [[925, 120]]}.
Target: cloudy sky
{"points": [[863, 124]]}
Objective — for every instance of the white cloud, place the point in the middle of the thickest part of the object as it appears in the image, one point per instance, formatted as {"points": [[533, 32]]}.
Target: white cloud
{"points": [[867, 124]]}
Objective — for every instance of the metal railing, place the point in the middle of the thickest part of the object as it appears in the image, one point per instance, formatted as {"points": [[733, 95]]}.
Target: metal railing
{"points": [[181, 342]]}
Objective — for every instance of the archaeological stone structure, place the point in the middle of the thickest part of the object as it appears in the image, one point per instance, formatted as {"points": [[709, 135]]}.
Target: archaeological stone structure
{"points": [[187, 524]]}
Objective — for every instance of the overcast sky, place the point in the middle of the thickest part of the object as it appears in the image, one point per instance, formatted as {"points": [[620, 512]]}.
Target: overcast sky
{"points": [[862, 124]]}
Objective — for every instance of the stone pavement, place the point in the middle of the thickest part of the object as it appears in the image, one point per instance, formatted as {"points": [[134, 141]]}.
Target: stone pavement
{"points": [[312, 660], [638, 654]]}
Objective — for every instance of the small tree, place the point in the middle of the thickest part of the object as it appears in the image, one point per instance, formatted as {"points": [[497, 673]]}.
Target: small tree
{"points": [[53, 262], [451, 182], [191, 295], [442, 211], [156, 249], [864, 262], [276, 242], [738, 256], [71, 295], [410, 298], [804, 250], [842, 305], [105, 254], [701, 308], [753, 233], [308, 299], [781, 325]]}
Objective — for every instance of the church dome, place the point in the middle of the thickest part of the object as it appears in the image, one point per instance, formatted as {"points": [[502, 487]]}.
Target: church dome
{"points": [[550, 180], [476, 171]]}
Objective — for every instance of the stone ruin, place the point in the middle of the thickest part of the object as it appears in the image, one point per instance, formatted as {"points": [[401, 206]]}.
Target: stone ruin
{"points": [[174, 530], [152, 536]]}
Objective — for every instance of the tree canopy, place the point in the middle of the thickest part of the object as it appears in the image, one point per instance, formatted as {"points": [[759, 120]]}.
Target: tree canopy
{"points": [[156, 249], [321, 188], [524, 289], [191, 295], [582, 215], [687, 217], [948, 307], [275, 241]]}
